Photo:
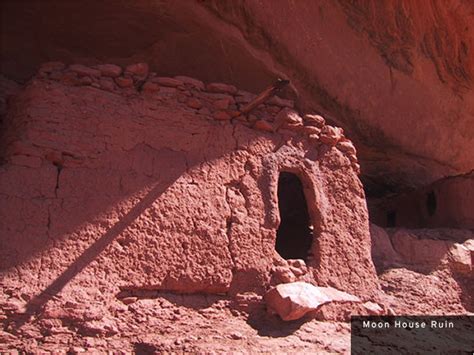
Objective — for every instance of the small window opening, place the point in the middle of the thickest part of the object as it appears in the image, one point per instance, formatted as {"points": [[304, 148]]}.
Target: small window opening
{"points": [[295, 233], [431, 203], [391, 219]]}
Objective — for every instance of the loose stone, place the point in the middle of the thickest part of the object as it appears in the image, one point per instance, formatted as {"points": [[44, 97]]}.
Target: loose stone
{"points": [[107, 84], [311, 130], [197, 84], [69, 78], [194, 103], [352, 158], [222, 104], [346, 146], [244, 97], [221, 88], [124, 82], [356, 167], [150, 87], [85, 80], [221, 116], [169, 82], [109, 70], [330, 135], [82, 70], [314, 120], [138, 69], [233, 113], [288, 116]]}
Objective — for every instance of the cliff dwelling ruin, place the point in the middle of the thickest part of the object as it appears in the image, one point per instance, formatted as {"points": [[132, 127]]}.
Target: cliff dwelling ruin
{"points": [[228, 198], [159, 195]]}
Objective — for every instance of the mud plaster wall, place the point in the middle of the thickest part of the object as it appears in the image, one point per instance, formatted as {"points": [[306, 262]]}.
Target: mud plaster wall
{"points": [[112, 187], [447, 203]]}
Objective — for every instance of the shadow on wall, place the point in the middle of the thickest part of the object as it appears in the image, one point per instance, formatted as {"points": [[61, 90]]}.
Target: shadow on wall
{"points": [[90, 254], [75, 212], [104, 196]]}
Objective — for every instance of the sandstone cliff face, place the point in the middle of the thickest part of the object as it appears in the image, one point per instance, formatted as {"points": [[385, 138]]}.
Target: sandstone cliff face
{"points": [[396, 75], [117, 186]]}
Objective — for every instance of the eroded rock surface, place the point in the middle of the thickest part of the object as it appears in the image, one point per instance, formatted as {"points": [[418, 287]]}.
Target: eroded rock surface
{"points": [[423, 250], [396, 76], [383, 252]]}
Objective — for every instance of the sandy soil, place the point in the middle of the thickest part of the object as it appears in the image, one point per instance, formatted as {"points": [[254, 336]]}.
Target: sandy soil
{"points": [[151, 322]]}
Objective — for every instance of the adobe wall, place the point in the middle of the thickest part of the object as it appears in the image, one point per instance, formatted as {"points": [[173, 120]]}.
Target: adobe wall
{"points": [[447, 203], [119, 179]]}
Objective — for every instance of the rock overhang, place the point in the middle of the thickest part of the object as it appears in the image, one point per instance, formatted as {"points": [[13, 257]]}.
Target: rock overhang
{"points": [[403, 98]]}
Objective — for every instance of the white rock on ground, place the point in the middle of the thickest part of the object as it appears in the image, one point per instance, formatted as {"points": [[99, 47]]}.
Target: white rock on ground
{"points": [[292, 301], [460, 257]]}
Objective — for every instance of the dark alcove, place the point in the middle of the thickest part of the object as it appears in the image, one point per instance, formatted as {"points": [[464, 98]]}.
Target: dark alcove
{"points": [[431, 203], [295, 234], [391, 219]]}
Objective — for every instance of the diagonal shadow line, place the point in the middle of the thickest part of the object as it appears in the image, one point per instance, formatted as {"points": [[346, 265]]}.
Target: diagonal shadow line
{"points": [[39, 301]]}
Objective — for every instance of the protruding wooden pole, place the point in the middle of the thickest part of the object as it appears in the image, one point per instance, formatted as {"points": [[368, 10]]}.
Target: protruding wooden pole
{"points": [[279, 85]]}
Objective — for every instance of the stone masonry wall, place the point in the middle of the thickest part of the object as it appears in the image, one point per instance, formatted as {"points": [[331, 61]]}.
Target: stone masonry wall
{"points": [[120, 179]]}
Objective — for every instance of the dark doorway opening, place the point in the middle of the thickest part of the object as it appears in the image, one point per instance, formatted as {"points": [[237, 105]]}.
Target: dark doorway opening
{"points": [[391, 219], [431, 203], [295, 234]]}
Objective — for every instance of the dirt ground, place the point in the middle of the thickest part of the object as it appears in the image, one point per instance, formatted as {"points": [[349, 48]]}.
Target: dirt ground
{"points": [[151, 322]]}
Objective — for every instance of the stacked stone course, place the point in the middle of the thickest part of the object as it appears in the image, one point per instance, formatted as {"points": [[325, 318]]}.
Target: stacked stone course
{"points": [[217, 101]]}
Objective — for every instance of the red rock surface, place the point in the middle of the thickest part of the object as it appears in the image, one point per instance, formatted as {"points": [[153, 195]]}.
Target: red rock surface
{"points": [[396, 76], [383, 252], [423, 250], [122, 189], [437, 293], [117, 181], [390, 74]]}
